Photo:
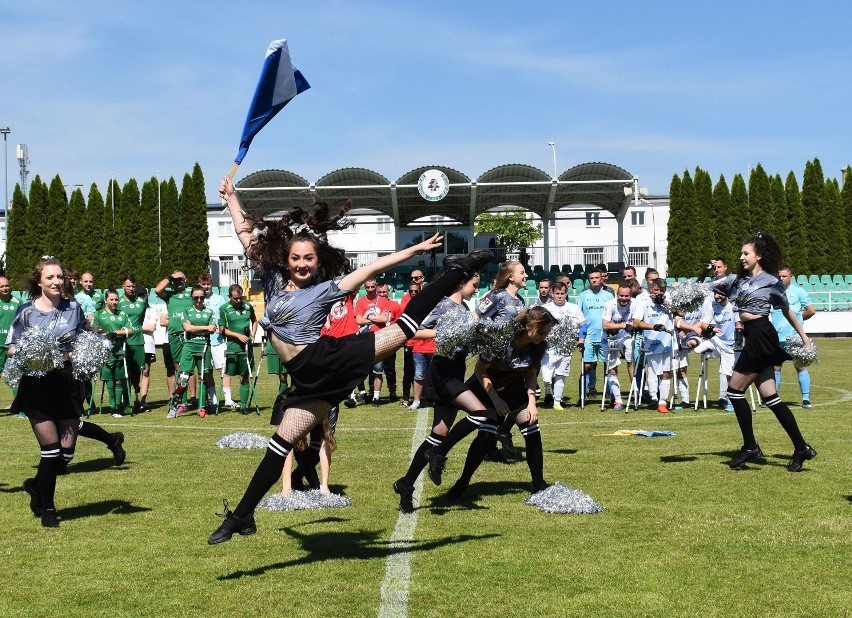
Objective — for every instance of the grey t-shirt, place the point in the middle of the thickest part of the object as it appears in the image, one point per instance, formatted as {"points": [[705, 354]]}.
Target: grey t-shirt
{"points": [[65, 322], [756, 294], [500, 305]]}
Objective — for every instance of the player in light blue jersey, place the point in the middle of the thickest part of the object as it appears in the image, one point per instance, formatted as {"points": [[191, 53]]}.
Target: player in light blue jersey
{"points": [[803, 308], [593, 303]]}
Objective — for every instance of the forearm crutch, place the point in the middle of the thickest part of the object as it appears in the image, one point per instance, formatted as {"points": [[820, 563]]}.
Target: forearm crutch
{"points": [[701, 389], [253, 389], [202, 387], [249, 360], [126, 390], [635, 395]]}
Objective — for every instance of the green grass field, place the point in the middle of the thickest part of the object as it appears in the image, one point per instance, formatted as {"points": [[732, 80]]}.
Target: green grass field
{"points": [[682, 534]]}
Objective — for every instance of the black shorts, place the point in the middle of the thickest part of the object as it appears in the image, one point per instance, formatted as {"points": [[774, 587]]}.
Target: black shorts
{"points": [[514, 393], [762, 348], [54, 396], [444, 380], [327, 369]]}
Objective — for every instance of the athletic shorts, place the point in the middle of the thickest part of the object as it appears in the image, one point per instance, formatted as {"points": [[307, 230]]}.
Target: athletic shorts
{"points": [[217, 353], [594, 352], [658, 363], [554, 364], [237, 364], [189, 362], [716, 348], [176, 345], [113, 369], [135, 355]]}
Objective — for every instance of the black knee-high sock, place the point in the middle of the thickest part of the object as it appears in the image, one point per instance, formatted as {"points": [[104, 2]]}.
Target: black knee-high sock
{"points": [[48, 468], [788, 421], [743, 412], [418, 462], [95, 432], [482, 444], [421, 304], [535, 451], [470, 423], [268, 471]]}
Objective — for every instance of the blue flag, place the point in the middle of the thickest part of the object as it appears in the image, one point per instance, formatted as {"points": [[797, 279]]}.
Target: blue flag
{"points": [[279, 82]]}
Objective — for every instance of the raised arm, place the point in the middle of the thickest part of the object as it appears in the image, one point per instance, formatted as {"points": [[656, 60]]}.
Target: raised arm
{"points": [[242, 227], [356, 278]]}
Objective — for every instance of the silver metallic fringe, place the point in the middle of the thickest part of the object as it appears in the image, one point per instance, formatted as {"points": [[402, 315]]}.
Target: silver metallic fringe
{"points": [[802, 356], [88, 354], [243, 440], [493, 337], [687, 297], [36, 353], [559, 498], [304, 501], [563, 336], [454, 331]]}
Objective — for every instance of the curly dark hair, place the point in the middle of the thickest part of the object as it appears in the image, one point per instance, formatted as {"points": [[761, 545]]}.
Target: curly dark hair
{"points": [[275, 238], [771, 255], [535, 319]]}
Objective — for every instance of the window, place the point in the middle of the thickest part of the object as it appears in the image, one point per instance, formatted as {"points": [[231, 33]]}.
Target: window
{"points": [[456, 241], [384, 225], [637, 217], [409, 238], [226, 228], [593, 255], [638, 256], [593, 219], [552, 221]]}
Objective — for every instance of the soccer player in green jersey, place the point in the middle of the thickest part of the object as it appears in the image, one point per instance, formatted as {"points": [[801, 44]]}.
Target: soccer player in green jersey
{"points": [[196, 355], [8, 307], [134, 307], [116, 325], [172, 290], [238, 324]]}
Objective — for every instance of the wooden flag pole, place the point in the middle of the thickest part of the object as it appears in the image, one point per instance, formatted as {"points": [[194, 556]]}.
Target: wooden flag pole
{"points": [[233, 171]]}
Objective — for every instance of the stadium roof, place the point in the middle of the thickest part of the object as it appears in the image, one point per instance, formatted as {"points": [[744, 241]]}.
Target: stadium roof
{"points": [[514, 185]]}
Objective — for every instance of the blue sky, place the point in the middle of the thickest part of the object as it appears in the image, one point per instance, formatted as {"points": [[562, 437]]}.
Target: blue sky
{"points": [[133, 88]]}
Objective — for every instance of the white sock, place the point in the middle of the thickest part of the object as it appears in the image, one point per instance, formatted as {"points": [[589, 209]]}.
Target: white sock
{"points": [[723, 386], [615, 388], [558, 387], [376, 394], [652, 383], [227, 393], [683, 389], [665, 388]]}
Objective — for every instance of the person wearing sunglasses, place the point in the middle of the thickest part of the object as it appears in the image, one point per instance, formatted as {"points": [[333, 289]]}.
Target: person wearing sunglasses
{"points": [[196, 355]]}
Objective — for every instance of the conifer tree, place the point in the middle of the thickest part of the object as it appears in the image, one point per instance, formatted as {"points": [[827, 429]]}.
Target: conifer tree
{"points": [[127, 230], [93, 224], [148, 249], [57, 219], [813, 186], [171, 259], [836, 237], [704, 237], [193, 211], [36, 245], [726, 222], [739, 206], [110, 265], [759, 201], [17, 254], [796, 248], [681, 248], [674, 231], [846, 197], [779, 210], [74, 238]]}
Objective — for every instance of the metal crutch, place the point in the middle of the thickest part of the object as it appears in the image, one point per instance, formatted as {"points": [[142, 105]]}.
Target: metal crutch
{"points": [[702, 381], [253, 389]]}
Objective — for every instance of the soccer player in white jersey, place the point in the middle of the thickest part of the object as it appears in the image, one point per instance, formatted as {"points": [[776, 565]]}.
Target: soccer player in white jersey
{"points": [[656, 321], [618, 328], [555, 367]]}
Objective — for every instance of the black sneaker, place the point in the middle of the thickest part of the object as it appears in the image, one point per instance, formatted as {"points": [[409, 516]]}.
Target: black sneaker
{"points": [[406, 493], [118, 453], [806, 404], [471, 263], [393, 397], [800, 457], [376, 403], [193, 403], [350, 402], [242, 525], [365, 397], [49, 520], [745, 455], [548, 401], [722, 403], [506, 442], [537, 487], [35, 499], [437, 462], [593, 392], [457, 490]]}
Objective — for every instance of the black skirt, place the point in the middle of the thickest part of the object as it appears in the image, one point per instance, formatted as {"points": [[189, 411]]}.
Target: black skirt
{"points": [[54, 396], [511, 387], [327, 369], [762, 348], [444, 380]]}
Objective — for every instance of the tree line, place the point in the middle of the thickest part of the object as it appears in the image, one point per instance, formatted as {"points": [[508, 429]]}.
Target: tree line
{"points": [[113, 234], [812, 225]]}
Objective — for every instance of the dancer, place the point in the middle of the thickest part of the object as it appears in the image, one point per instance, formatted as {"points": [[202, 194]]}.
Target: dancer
{"points": [[324, 370], [53, 402], [754, 291], [509, 382], [445, 387]]}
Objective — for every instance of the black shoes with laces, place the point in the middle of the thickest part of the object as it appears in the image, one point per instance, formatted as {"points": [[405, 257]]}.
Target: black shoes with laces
{"points": [[745, 455], [437, 462], [800, 457], [35, 499], [471, 263], [241, 525], [406, 495], [49, 520]]}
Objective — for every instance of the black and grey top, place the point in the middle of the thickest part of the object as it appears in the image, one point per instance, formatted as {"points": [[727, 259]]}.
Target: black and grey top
{"points": [[65, 321], [756, 294], [500, 305], [297, 317]]}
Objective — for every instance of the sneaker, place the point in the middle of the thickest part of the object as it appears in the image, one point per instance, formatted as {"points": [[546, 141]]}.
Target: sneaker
{"points": [[405, 402], [376, 402], [49, 520], [471, 263], [618, 407], [172, 413], [506, 443], [117, 415], [653, 404], [800, 457], [230, 403], [806, 404], [437, 462], [350, 402], [593, 392], [557, 405], [22, 415], [393, 397], [181, 408], [242, 525], [193, 403], [414, 405], [663, 408], [406, 495], [548, 401], [457, 490], [35, 499], [118, 452], [729, 408], [365, 397], [745, 455], [678, 407], [723, 403], [202, 413]]}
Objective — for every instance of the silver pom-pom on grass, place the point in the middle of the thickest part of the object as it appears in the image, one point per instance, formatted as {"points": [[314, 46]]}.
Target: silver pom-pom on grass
{"points": [[686, 297], [559, 498], [802, 356], [564, 336], [37, 352], [493, 337], [88, 354], [243, 440], [304, 501], [454, 331]]}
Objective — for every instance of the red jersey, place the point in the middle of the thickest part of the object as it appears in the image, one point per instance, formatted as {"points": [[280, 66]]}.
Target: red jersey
{"points": [[376, 306], [341, 319]]}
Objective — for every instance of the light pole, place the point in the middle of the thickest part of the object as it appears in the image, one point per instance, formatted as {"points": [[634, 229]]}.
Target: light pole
{"points": [[5, 131], [553, 148]]}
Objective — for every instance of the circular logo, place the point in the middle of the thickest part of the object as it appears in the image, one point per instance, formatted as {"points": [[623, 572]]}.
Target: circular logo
{"points": [[433, 185]]}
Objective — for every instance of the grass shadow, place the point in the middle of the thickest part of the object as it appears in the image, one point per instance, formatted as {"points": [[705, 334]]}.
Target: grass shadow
{"points": [[562, 451], [440, 505], [96, 465], [361, 545], [677, 458], [104, 507]]}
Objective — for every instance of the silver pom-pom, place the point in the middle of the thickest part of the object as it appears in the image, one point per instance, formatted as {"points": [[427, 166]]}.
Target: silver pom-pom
{"points": [[13, 372], [242, 439], [88, 355], [37, 352], [686, 297], [559, 498], [304, 501], [454, 331], [493, 337], [802, 356], [564, 336]]}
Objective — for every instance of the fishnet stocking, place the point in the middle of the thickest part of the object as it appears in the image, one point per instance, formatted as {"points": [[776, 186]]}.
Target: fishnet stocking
{"points": [[300, 419], [388, 341]]}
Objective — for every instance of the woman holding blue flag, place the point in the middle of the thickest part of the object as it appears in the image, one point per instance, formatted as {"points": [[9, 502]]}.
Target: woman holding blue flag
{"points": [[324, 370]]}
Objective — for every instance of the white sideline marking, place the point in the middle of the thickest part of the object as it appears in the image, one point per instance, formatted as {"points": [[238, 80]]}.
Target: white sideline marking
{"points": [[398, 564]]}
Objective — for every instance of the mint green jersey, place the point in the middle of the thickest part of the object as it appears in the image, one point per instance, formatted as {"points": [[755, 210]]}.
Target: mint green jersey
{"points": [[8, 309]]}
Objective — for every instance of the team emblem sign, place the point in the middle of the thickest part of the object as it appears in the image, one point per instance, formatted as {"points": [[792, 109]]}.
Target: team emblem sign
{"points": [[433, 185]]}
